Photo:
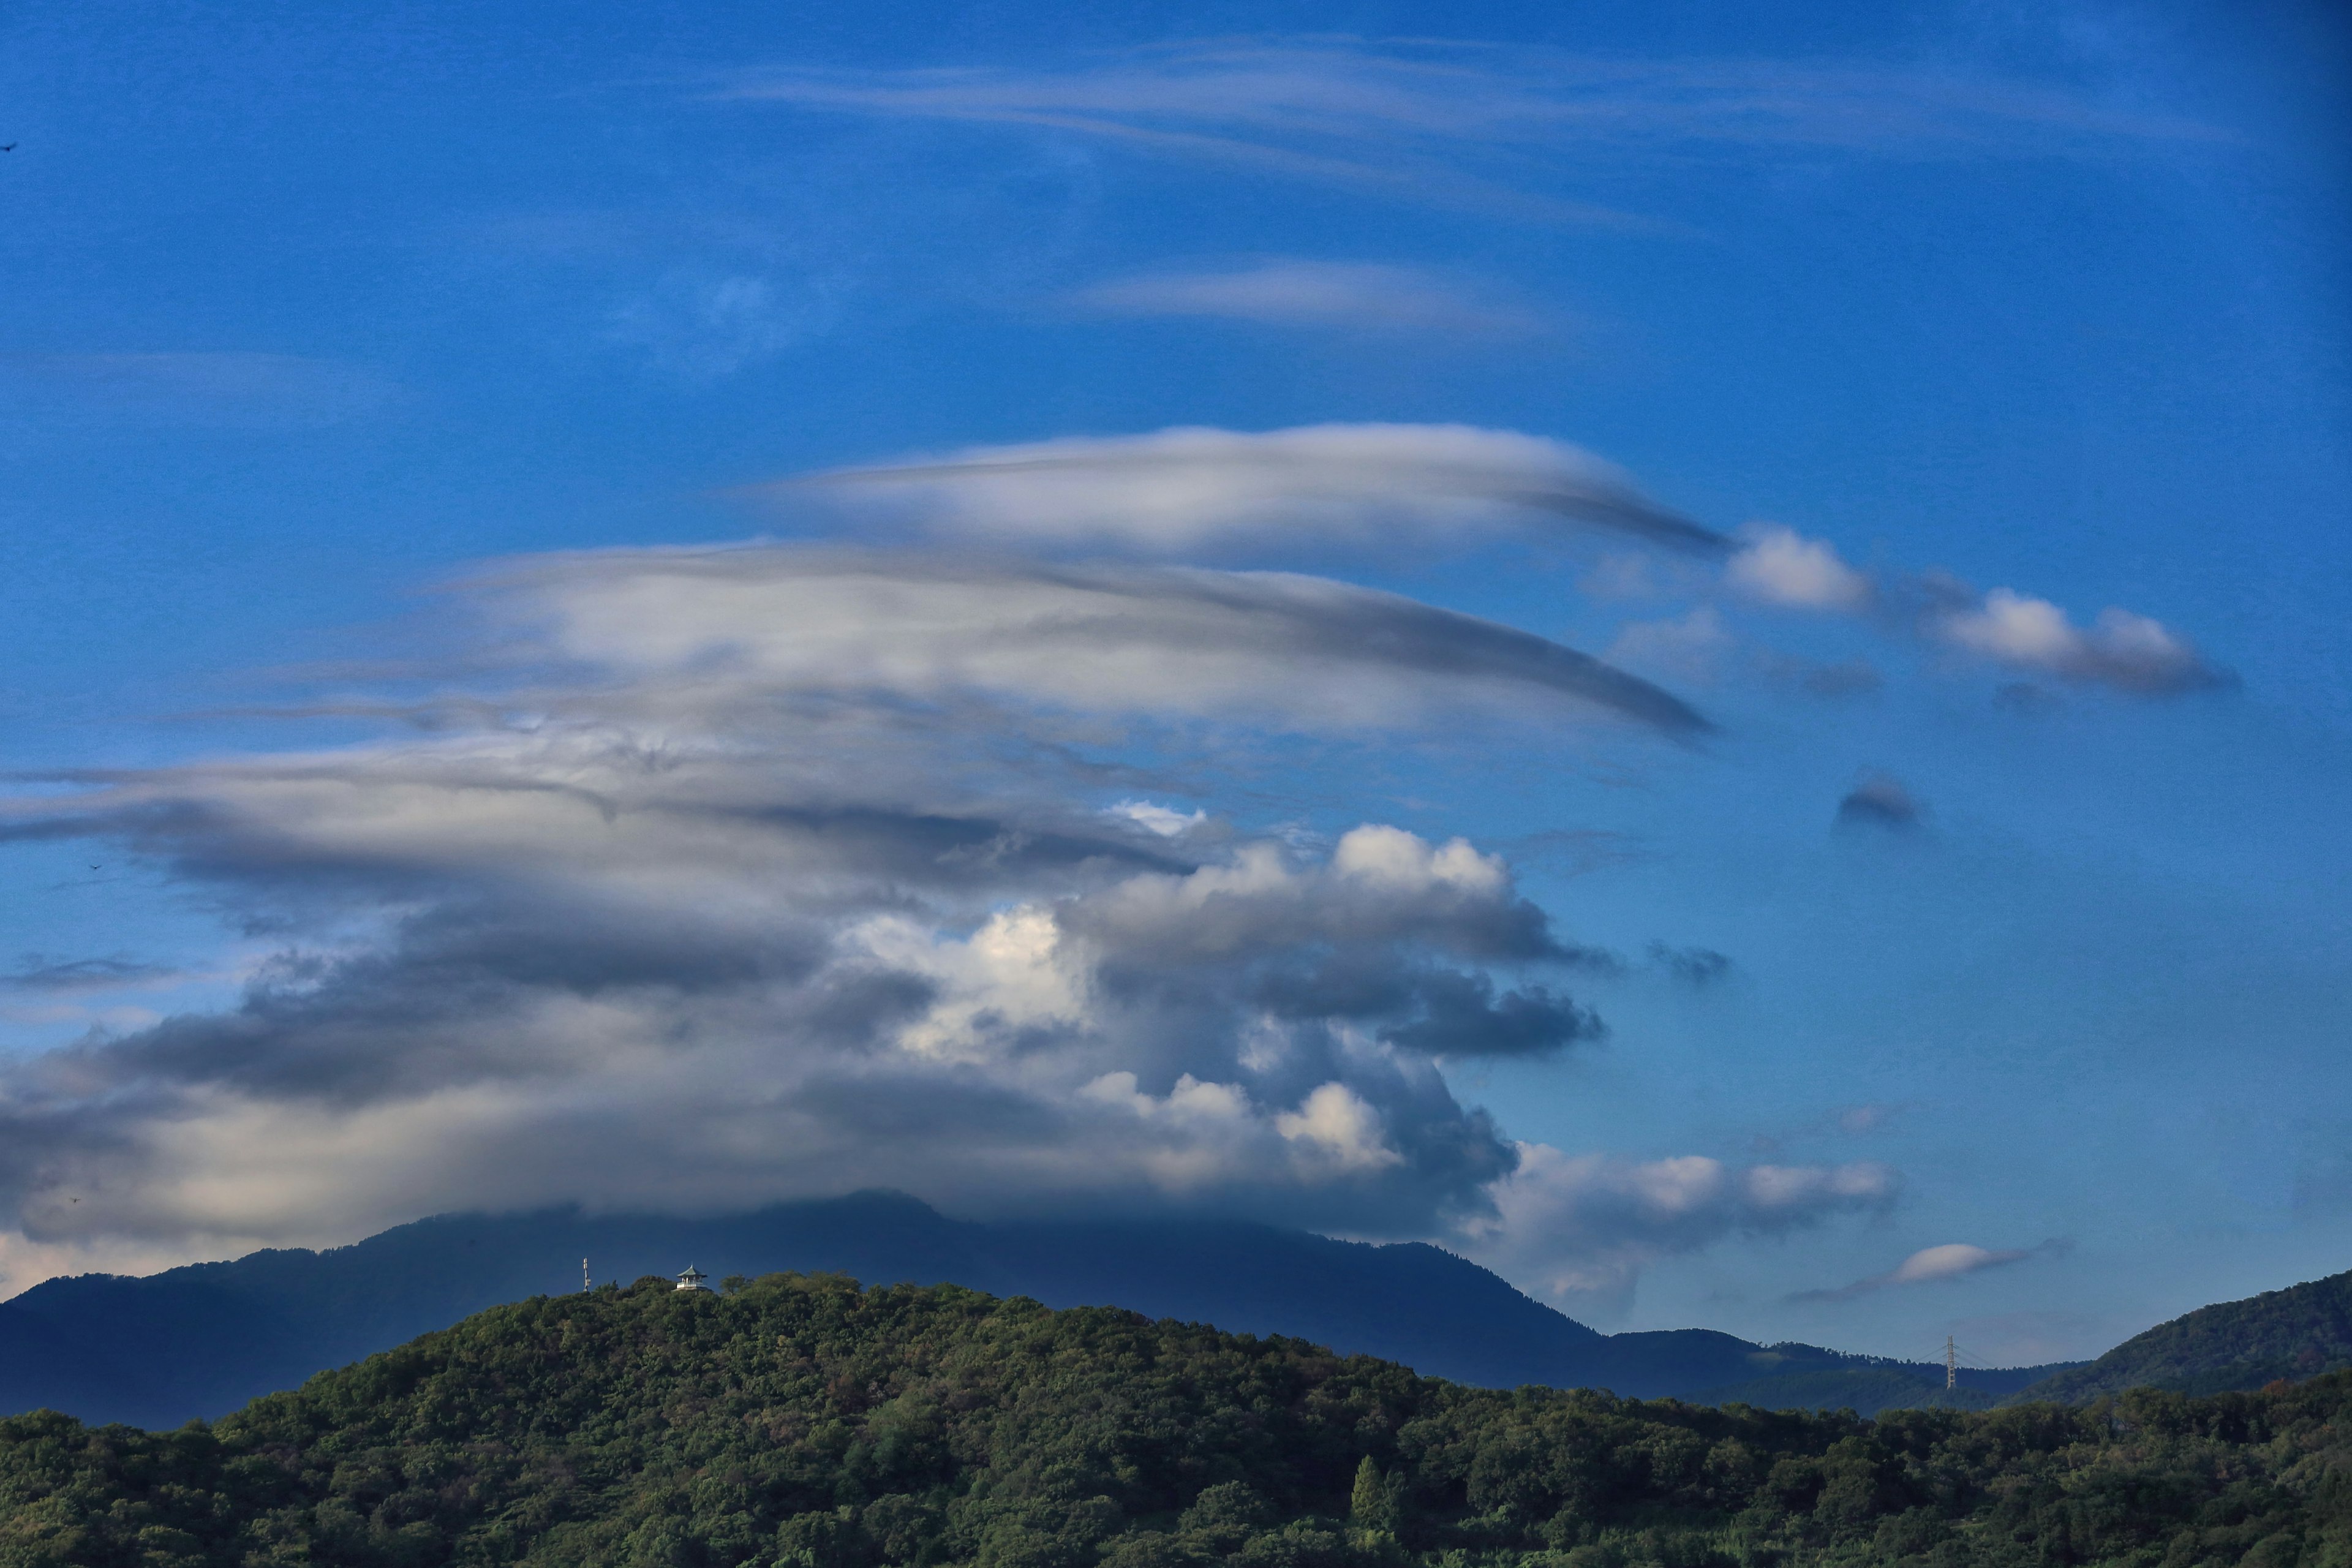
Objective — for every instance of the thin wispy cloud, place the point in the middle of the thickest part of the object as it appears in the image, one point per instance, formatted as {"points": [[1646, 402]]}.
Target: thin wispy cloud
{"points": [[216, 389], [72, 975], [1468, 125], [1348, 297]]}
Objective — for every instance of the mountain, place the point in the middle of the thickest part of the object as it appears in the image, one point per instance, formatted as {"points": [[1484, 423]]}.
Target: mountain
{"points": [[202, 1340], [2297, 1332], [801, 1422]]}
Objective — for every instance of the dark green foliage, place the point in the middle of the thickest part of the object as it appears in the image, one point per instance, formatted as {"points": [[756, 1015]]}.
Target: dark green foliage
{"points": [[2297, 1332], [796, 1421], [1867, 1390]]}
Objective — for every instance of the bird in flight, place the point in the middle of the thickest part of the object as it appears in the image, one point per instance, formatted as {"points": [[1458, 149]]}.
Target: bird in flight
{"points": [[11, 147]]}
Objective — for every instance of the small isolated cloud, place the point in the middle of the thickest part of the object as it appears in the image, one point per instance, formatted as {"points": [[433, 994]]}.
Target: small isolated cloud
{"points": [[1934, 1265], [1777, 566], [1185, 489], [1351, 296], [1696, 967], [2128, 652], [1880, 800], [1861, 1119], [702, 328], [1164, 820], [1584, 1226]]}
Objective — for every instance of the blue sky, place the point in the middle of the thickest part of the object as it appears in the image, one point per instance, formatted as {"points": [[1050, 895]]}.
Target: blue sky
{"points": [[407, 811]]}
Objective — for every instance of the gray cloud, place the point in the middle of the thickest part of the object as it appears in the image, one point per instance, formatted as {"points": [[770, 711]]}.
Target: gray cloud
{"points": [[748, 874], [1696, 967], [1352, 296], [72, 974], [1585, 1225], [1267, 646], [1880, 800], [1180, 489], [2126, 652]]}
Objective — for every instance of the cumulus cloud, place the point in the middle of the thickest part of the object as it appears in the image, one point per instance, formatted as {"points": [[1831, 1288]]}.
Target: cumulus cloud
{"points": [[1777, 565], [768, 872], [1186, 489], [2129, 652], [1586, 1225], [1934, 1265], [2126, 652], [1880, 800], [1348, 296]]}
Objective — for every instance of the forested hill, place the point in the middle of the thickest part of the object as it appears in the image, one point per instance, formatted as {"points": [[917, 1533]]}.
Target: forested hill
{"points": [[801, 1422], [2294, 1334], [203, 1340]]}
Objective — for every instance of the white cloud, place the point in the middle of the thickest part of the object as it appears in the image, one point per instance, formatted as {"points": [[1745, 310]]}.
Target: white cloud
{"points": [[1934, 1265], [740, 901], [2130, 652], [1585, 1225], [1777, 565], [1187, 488], [1680, 647], [1462, 126], [1164, 820], [1340, 1129], [1274, 647], [1352, 296]]}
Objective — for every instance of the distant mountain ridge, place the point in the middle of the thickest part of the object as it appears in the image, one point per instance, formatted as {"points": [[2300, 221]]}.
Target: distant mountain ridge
{"points": [[2294, 1333], [201, 1340]]}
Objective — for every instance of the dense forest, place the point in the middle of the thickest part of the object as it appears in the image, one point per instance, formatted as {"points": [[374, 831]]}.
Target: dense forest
{"points": [[2297, 1332], [799, 1422]]}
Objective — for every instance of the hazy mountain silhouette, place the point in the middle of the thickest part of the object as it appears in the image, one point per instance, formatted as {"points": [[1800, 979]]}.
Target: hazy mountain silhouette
{"points": [[202, 1340]]}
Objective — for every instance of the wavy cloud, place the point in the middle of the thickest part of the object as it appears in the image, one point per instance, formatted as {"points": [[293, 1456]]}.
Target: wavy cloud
{"points": [[1186, 489], [1472, 126], [753, 873]]}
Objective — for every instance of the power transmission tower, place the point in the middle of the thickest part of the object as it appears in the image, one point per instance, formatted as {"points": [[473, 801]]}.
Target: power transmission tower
{"points": [[1951, 1363]]}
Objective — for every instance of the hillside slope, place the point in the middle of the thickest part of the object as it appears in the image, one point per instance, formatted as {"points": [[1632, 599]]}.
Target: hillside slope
{"points": [[203, 1340], [804, 1423], [2292, 1333]]}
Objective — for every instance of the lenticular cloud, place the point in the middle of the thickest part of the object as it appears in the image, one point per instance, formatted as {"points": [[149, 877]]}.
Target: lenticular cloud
{"points": [[1190, 488], [778, 871]]}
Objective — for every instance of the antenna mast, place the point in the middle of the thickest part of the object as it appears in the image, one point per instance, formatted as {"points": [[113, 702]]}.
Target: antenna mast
{"points": [[584, 1287], [1951, 1363]]}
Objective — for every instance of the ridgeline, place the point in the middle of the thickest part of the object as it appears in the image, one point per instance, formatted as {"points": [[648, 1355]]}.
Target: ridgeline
{"points": [[799, 1422]]}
